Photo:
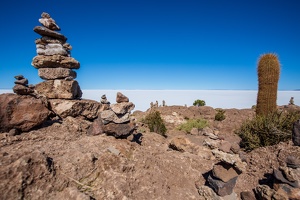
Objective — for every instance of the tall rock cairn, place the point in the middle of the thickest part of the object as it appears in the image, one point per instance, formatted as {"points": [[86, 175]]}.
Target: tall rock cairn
{"points": [[54, 62], [268, 76]]}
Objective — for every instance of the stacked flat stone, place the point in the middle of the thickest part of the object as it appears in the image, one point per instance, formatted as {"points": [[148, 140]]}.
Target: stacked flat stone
{"points": [[21, 86], [54, 62]]}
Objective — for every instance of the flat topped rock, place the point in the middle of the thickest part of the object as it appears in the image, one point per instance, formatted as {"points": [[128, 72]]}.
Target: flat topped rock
{"points": [[48, 22], [56, 73], [43, 31], [55, 61]]}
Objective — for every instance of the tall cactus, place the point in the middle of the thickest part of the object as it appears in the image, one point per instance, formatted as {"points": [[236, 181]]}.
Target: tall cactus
{"points": [[268, 76]]}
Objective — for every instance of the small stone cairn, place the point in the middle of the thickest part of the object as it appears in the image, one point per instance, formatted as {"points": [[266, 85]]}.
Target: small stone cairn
{"points": [[222, 178], [115, 119], [21, 86], [54, 62], [285, 182]]}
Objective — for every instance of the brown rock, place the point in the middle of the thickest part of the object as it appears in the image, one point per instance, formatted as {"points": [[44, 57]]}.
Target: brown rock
{"points": [[247, 195], [43, 31], [296, 133], [55, 61], [119, 130], [21, 112], [19, 77], [279, 176], [56, 73], [293, 162], [59, 89], [225, 146], [121, 98], [87, 108], [181, 144], [48, 22], [51, 49], [220, 187], [23, 81], [109, 116], [122, 108], [22, 90], [224, 172], [48, 40], [96, 127]]}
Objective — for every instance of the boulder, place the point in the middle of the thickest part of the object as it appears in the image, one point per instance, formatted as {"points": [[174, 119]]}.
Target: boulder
{"points": [[122, 108], [292, 162], [121, 98], [296, 133], [206, 193], [48, 22], [96, 127], [54, 61], [280, 177], [75, 108], [21, 112], [59, 89], [43, 31], [220, 187], [56, 73], [51, 49], [181, 144]]}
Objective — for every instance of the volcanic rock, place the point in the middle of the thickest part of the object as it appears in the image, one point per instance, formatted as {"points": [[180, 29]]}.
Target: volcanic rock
{"points": [[56, 73], [293, 162], [104, 99], [110, 116], [49, 40], [220, 187], [121, 98], [224, 172], [96, 127], [280, 177], [19, 77], [22, 90], [59, 89], [75, 108], [119, 130], [55, 61], [23, 81], [122, 108], [296, 133], [21, 112], [43, 31], [48, 22]]}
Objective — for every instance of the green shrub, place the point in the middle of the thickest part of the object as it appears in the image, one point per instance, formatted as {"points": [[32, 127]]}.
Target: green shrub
{"points": [[155, 123], [220, 115], [199, 102], [266, 130], [193, 123]]}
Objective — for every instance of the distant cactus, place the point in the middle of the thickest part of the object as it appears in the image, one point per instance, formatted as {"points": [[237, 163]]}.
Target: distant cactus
{"points": [[268, 76]]}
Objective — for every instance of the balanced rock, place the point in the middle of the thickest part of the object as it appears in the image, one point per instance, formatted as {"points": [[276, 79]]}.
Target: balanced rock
{"points": [[108, 116], [296, 133], [48, 22], [59, 89], [55, 61], [22, 90], [119, 130], [224, 171], [23, 81], [56, 73], [43, 31], [121, 98], [122, 108], [51, 49], [49, 40], [220, 187], [104, 99], [16, 114], [75, 108]]}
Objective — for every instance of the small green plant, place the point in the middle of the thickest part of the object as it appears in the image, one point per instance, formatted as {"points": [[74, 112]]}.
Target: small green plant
{"points": [[199, 102], [155, 123], [193, 123], [220, 115], [266, 130]]}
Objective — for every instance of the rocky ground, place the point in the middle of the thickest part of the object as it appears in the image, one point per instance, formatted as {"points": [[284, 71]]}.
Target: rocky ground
{"points": [[58, 160]]}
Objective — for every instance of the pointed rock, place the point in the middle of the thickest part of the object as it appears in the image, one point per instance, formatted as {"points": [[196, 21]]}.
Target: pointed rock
{"points": [[121, 98], [122, 108], [48, 22]]}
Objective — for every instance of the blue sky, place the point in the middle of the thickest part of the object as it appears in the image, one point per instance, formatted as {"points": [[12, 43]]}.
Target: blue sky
{"points": [[158, 44]]}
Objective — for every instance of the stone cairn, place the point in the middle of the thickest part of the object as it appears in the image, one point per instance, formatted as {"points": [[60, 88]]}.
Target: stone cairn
{"points": [[21, 86], [222, 178], [114, 119], [284, 182], [54, 62]]}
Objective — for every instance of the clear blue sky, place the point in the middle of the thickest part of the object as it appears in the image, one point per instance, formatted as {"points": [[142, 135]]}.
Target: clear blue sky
{"points": [[158, 44]]}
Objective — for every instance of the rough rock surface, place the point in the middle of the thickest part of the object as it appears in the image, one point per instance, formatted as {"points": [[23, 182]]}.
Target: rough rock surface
{"points": [[51, 49], [43, 31], [121, 98], [41, 61], [59, 89], [48, 22], [56, 73], [22, 90], [21, 112], [88, 109], [296, 133]]}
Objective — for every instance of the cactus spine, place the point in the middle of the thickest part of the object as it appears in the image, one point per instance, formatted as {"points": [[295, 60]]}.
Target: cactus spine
{"points": [[268, 76]]}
